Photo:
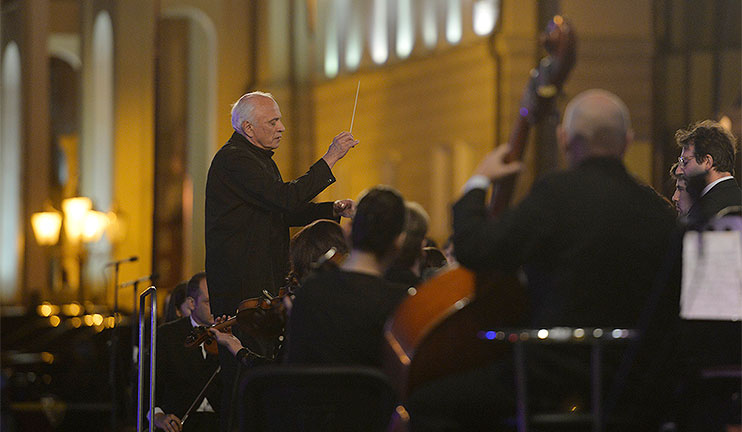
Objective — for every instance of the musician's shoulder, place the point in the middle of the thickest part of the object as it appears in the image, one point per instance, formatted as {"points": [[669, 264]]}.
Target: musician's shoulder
{"points": [[174, 326]]}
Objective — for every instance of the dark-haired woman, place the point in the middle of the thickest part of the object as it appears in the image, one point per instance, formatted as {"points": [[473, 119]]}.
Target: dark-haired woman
{"points": [[339, 313]]}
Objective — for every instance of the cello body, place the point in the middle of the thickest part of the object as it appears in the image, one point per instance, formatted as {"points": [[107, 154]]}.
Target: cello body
{"points": [[437, 332]]}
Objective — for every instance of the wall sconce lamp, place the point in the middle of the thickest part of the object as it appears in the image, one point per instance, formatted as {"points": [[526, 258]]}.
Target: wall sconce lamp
{"points": [[81, 223], [46, 227]]}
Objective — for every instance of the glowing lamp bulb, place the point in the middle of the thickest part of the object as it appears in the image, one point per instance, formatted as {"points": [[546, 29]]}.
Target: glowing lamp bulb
{"points": [[46, 227]]}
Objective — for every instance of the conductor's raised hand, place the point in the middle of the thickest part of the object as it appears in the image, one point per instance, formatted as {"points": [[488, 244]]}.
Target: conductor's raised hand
{"points": [[343, 142], [494, 166]]}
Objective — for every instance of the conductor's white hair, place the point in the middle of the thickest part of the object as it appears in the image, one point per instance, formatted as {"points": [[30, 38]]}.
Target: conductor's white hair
{"points": [[244, 109]]}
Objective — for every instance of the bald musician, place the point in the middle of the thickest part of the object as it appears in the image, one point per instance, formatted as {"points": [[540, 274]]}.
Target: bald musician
{"points": [[590, 240]]}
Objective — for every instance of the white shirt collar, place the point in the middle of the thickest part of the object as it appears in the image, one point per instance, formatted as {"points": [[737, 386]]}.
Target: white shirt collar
{"points": [[713, 183], [193, 322]]}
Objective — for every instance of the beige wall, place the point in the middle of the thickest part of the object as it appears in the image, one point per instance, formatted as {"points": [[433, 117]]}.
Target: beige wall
{"points": [[423, 122], [441, 112], [135, 113], [405, 112]]}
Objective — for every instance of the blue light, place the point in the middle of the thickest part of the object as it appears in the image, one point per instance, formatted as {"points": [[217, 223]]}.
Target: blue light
{"points": [[524, 112], [490, 335]]}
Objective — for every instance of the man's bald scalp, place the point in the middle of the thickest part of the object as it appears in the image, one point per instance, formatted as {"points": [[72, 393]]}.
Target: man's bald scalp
{"points": [[600, 119]]}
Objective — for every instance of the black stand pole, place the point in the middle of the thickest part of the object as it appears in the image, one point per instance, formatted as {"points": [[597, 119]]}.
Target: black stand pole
{"points": [[134, 343], [134, 335], [114, 350]]}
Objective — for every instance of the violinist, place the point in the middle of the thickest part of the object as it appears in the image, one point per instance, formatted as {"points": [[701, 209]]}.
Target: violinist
{"points": [[407, 267], [308, 247], [182, 373]]}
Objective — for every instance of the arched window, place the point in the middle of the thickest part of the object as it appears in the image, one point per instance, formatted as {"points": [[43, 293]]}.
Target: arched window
{"points": [[405, 28], [96, 147], [392, 29], [10, 163], [484, 16], [332, 41], [454, 26], [201, 128], [379, 37]]}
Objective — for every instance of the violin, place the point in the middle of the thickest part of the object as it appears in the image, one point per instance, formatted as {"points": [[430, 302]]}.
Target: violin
{"points": [[260, 317]]}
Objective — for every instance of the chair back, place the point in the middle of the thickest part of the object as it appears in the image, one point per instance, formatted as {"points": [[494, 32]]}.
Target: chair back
{"points": [[315, 398]]}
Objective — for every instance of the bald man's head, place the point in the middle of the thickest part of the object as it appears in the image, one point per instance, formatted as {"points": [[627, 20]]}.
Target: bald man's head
{"points": [[596, 123]]}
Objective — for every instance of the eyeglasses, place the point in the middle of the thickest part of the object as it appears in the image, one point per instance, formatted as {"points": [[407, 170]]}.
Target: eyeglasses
{"points": [[683, 161]]}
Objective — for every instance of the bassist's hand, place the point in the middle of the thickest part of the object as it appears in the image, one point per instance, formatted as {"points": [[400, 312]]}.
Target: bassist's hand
{"points": [[167, 422], [494, 167]]}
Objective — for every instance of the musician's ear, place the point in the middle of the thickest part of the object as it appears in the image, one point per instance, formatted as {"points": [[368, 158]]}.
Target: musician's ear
{"points": [[190, 303], [247, 128], [399, 241]]}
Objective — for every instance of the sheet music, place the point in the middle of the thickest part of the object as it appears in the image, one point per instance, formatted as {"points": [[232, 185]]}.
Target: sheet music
{"points": [[712, 276]]}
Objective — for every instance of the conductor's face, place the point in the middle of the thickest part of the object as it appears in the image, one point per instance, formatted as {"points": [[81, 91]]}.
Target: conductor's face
{"points": [[266, 132]]}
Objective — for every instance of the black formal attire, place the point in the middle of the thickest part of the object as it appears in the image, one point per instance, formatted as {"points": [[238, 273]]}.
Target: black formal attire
{"points": [[249, 209], [704, 405], [403, 276], [338, 317], [724, 194], [182, 373], [590, 241]]}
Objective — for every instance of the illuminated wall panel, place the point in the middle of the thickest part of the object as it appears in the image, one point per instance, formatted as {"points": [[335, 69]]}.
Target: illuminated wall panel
{"points": [[10, 163]]}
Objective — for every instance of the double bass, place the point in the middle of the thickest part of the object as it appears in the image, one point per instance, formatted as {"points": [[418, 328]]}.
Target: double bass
{"points": [[434, 333]]}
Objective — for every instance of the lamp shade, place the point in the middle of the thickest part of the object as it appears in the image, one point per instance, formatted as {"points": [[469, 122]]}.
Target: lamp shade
{"points": [[93, 226], [75, 211], [46, 227]]}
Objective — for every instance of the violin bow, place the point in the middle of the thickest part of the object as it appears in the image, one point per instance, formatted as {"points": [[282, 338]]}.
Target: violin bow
{"points": [[200, 395]]}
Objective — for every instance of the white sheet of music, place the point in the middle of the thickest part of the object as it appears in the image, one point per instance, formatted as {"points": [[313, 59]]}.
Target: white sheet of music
{"points": [[712, 276]]}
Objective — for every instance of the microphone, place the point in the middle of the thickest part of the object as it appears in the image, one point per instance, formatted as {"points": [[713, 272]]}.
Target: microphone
{"points": [[153, 276], [132, 258]]}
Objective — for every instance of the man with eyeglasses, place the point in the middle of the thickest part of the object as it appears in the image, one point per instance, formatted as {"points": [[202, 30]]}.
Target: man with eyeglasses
{"points": [[707, 162], [707, 159]]}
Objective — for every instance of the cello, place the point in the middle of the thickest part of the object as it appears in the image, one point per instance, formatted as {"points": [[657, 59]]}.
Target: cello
{"points": [[434, 333]]}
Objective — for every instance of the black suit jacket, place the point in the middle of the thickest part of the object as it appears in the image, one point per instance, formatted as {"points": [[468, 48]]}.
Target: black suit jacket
{"points": [[249, 209], [724, 194], [698, 350], [182, 372], [591, 240]]}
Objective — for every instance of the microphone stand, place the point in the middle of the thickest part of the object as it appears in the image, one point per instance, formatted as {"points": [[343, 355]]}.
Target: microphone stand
{"points": [[134, 346], [112, 372], [114, 349]]}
